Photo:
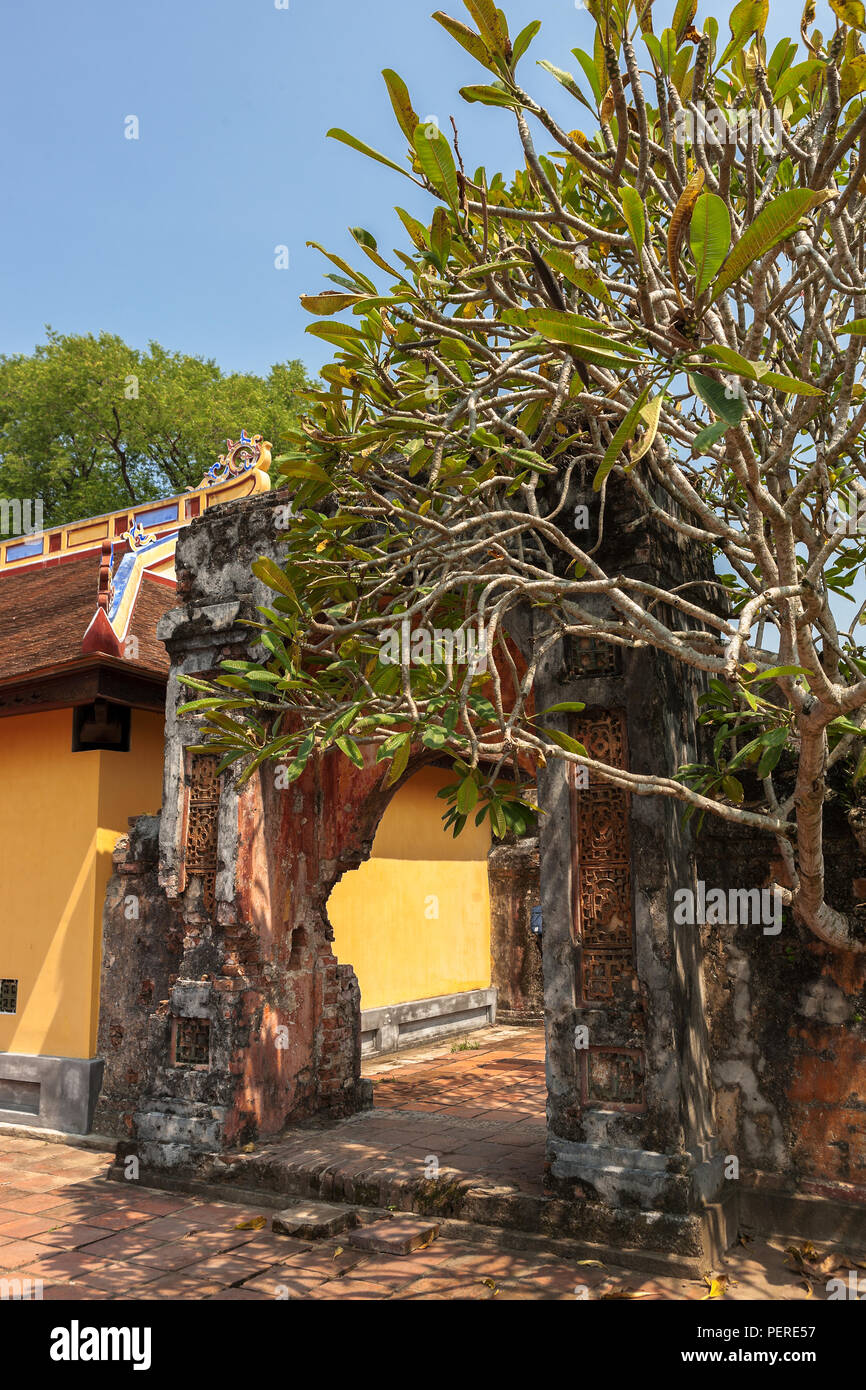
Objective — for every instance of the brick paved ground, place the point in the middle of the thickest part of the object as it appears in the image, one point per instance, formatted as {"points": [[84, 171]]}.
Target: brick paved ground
{"points": [[62, 1222], [480, 1109]]}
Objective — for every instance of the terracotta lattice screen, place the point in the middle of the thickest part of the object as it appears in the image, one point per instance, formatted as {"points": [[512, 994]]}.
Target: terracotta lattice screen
{"points": [[200, 846], [603, 913]]}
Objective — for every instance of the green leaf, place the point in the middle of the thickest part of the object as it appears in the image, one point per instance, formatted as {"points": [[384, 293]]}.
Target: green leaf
{"points": [[709, 436], [851, 12], [489, 95], [632, 211], [591, 72], [435, 158], [352, 751], [747, 18], [523, 40], [491, 24], [565, 741], [434, 736], [354, 143], [728, 408], [769, 760], [305, 468], [733, 790], [857, 326], [567, 707], [776, 671], [564, 78], [398, 92], [562, 327], [465, 36], [620, 439], [773, 224], [846, 726], [852, 79], [709, 238], [762, 372], [467, 795], [270, 573], [580, 276], [332, 302], [400, 760]]}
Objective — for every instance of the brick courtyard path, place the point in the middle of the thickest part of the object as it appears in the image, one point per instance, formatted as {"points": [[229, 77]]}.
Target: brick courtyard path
{"points": [[85, 1237], [479, 1107]]}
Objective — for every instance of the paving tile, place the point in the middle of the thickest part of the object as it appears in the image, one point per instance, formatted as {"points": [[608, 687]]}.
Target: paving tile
{"points": [[26, 1203], [450, 1288], [171, 1288], [72, 1293], [24, 1227], [284, 1282], [397, 1237], [120, 1245], [312, 1219], [351, 1291], [118, 1279], [238, 1296], [68, 1237], [62, 1264], [231, 1268], [19, 1254], [327, 1261]]}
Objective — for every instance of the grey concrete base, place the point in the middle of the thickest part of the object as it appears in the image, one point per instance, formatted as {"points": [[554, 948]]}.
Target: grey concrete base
{"points": [[649, 1189], [422, 1020], [56, 1093], [798, 1216], [636, 1177]]}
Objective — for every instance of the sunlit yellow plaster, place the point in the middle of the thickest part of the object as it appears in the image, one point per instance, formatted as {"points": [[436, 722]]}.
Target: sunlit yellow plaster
{"points": [[414, 920], [61, 814]]}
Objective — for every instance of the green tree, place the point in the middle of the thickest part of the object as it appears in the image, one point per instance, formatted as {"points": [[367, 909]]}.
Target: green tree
{"points": [[674, 299], [90, 425]]}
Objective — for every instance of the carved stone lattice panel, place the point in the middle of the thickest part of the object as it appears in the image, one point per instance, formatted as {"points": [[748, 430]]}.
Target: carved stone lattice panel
{"points": [[605, 973], [603, 737], [200, 850], [603, 914], [614, 1077], [602, 824], [191, 1042], [588, 656], [605, 907]]}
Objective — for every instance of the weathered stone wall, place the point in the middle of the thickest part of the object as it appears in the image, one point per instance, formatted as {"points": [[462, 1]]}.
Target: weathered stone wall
{"points": [[629, 1095], [516, 968], [141, 952], [234, 929], [787, 1025]]}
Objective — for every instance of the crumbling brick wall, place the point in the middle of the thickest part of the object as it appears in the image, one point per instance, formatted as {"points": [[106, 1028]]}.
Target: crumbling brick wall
{"points": [[787, 1024]]}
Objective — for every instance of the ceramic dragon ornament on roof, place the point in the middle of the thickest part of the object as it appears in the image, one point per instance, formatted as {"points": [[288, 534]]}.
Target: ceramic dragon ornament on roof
{"points": [[241, 457]]}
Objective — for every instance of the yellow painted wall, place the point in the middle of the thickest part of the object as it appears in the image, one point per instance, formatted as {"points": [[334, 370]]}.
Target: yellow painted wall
{"points": [[383, 912], [61, 814]]}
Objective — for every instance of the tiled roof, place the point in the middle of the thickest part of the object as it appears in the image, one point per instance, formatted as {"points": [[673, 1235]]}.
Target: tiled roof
{"points": [[46, 609]]}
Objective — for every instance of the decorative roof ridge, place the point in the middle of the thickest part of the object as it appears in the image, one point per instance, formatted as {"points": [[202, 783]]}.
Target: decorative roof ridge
{"points": [[149, 523]]}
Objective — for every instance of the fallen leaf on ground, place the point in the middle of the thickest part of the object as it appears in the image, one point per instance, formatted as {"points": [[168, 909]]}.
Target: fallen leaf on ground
{"points": [[717, 1287]]}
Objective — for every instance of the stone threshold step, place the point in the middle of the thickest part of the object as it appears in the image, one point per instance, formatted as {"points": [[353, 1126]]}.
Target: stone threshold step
{"points": [[620, 1254]]}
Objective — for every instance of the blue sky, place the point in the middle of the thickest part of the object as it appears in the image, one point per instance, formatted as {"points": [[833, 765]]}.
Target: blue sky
{"points": [[171, 236]]}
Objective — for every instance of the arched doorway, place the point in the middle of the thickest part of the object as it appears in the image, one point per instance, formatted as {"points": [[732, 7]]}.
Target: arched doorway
{"points": [[414, 921], [453, 1089]]}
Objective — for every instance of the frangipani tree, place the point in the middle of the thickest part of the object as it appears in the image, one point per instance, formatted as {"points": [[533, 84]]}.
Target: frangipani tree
{"points": [[674, 297]]}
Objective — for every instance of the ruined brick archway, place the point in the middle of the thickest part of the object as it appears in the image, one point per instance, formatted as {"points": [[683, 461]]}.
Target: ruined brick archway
{"points": [[226, 1015], [250, 1022]]}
